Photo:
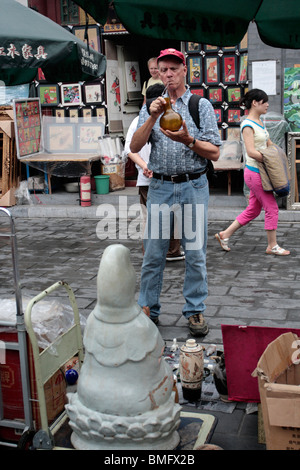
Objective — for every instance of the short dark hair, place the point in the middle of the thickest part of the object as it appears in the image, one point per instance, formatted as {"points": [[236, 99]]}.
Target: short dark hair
{"points": [[154, 91], [255, 94]]}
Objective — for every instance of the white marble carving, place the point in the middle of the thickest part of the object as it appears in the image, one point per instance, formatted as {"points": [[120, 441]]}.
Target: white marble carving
{"points": [[124, 398]]}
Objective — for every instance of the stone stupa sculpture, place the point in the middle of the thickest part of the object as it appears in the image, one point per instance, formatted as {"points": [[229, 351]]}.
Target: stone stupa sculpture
{"points": [[124, 397]]}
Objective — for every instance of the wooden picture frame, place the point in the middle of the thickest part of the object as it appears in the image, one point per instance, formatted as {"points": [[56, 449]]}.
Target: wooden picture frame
{"points": [[71, 94], [229, 63], [195, 76], [243, 69], [212, 70], [28, 126], [234, 116], [60, 138], [93, 35], [215, 95], [92, 93], [88, 135], [234, 95], [219, 115], [198, 91], [191, 47], [48, 94]]}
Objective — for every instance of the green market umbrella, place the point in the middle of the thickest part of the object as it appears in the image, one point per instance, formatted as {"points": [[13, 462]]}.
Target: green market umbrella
{"points": [[218, 22], [29, 40]]}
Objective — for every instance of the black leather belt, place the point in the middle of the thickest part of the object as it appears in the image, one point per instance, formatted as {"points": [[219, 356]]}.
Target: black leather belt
{"points": [[179, 178]]}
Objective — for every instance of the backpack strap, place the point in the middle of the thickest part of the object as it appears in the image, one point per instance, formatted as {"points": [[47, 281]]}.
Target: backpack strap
{"points": [[194, 109]]}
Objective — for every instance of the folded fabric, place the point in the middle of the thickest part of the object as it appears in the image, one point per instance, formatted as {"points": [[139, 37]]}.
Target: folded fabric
{"points": [[274, 170]]}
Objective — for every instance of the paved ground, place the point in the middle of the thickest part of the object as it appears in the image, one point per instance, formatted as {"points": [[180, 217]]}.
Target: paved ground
{"points": [[246, 287]]}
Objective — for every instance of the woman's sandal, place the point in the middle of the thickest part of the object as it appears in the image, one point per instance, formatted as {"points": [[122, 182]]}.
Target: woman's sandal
{"points": [[276, 250], [223, 242]]}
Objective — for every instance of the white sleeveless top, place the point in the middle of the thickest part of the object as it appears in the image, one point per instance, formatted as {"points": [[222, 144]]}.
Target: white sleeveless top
{"points": [[261, 137]]}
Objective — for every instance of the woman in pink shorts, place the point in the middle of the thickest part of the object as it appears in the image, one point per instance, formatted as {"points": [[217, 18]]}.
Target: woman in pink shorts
{"points": [[255, 138]]}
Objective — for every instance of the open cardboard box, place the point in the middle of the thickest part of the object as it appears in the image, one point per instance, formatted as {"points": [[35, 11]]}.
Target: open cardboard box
{"points": [[278, 372]]}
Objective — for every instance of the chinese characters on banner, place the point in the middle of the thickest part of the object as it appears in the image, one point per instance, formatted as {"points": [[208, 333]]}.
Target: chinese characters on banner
{"points": [[26, 52]]}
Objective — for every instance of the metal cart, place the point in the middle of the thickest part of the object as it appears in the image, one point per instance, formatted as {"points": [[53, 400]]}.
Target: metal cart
{"points": [[26, 425], [46, 363], [50, 360]]}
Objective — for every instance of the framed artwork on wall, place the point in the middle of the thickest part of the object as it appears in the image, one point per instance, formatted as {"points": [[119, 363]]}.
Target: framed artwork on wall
{"points": [[209, 48], [243, 68], [229, 69], [243, 46], [71, 94], [73, 114], [234, 116], [48, 94], [92, 93], [219, 115], [60, 114], [93, 35], [87, 114], [192, 47], [234, 95], [211, 70], [198, 91], [229, 49], [101, 115], [215, 95], [233, 133], [194, 70]]}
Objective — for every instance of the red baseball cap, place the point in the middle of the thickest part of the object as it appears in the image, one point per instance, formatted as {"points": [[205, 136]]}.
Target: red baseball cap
{"points": [[171, 52]]}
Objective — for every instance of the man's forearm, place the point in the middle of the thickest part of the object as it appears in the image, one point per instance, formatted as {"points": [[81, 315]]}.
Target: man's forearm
{"points": [[141, 135]]}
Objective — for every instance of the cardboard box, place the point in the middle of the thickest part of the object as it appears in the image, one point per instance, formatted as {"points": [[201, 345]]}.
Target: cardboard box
{"points": [[278, 372]]}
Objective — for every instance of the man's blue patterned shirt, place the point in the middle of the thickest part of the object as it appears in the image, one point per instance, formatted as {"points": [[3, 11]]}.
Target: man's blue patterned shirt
{"points": [[169, 157]]}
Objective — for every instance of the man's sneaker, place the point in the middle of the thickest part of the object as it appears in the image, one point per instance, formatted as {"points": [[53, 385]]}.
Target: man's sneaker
{"points": [[197, 325], [178, 257]]}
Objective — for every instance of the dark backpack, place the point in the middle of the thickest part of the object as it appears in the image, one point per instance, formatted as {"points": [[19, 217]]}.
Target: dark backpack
{"points": [[194, 112]]}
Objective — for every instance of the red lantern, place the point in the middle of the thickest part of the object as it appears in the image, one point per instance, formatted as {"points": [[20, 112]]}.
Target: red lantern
{"points": [[85, 191]]}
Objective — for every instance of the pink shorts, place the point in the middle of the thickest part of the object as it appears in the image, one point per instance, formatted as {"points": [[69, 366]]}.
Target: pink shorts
{"points": [[258, 200]]}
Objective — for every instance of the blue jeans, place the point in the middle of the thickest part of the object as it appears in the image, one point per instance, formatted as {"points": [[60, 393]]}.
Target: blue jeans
{"points": [[190, 203]]}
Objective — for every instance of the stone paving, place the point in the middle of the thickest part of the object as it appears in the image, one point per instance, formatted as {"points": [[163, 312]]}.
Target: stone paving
{"points": [[246, 286]]}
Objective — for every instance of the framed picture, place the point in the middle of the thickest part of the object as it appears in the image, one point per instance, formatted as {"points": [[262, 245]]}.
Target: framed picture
{"points": [[48, 94], [87, 114], [234, 94], [71, 94], [229, 69], [92, 93], [234, 116], [243, 46], [27, 120], [88, 135], [229, 48], [219, 115], [60, 114], [192, 47], [243, 68], [215, 95], [233, 133], [73, 114], [212, 70], [60, 138], [101, 115], [93, 32], [194, 70], [209, 48], [198, 91]]}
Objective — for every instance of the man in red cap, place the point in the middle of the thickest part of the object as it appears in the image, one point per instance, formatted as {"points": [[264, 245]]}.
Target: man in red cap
{"points": [[178, 161]]}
